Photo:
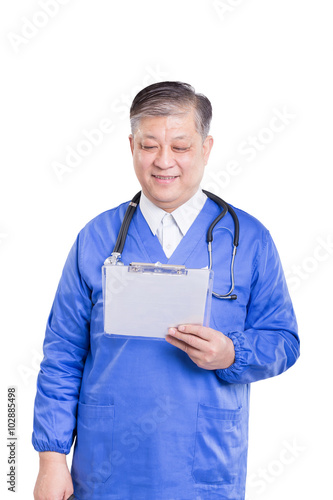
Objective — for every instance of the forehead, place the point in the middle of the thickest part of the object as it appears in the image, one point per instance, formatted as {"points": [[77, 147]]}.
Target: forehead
{"points": [[180, 126]]}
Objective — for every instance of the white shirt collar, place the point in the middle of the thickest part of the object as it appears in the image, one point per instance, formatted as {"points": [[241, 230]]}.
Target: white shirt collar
{"points": [[184, 215]]}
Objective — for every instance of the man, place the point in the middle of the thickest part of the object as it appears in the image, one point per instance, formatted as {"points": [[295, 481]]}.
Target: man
{"points": [[155, 419]]}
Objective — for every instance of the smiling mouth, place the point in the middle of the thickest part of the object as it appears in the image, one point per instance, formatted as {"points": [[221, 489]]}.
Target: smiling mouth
{"points": [[164, 178]]}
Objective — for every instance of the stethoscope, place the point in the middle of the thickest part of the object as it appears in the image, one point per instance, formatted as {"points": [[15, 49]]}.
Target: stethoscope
{"points": [[119, 246]]}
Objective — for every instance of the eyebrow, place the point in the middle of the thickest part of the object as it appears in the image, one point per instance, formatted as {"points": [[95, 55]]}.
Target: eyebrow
{"points": [[148, 136]]}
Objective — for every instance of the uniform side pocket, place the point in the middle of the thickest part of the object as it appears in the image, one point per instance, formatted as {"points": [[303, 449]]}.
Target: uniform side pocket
{"points": [[92, 460], [217, 445]]}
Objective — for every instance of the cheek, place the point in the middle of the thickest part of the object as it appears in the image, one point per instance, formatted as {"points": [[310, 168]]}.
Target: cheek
{"points": [[193, 168], [141, 164]]}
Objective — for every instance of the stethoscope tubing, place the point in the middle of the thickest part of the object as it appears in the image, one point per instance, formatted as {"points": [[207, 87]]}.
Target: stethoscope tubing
{"points": [[120, 242]]}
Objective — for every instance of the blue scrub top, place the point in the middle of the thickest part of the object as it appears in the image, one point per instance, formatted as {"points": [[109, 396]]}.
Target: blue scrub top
{"points": [[147, 422]]}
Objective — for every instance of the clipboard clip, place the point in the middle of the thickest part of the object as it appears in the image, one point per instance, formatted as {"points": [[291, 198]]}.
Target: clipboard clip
{"points": [[158, 268]]}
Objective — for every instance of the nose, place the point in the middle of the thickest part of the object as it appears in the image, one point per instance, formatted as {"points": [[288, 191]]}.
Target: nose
{"points": [[165, 158]]}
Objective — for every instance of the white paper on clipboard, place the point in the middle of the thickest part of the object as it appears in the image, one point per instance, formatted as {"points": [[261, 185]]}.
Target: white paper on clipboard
{"points": [[144, 300]]}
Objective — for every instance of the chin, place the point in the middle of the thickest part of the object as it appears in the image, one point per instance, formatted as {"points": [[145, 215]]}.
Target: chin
{"points": [[165, 193]]}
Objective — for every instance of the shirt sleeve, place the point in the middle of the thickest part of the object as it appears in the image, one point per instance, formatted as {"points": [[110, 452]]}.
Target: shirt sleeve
{"points": [[65, 349], [269, 344]]}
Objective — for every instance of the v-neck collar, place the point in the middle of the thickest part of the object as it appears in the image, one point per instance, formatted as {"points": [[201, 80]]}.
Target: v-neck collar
{"points": [[184, 215], [152, 248]]}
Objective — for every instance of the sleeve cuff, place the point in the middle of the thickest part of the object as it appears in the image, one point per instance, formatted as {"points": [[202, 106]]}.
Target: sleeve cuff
{"points": [[233, 373], [55, 446]]}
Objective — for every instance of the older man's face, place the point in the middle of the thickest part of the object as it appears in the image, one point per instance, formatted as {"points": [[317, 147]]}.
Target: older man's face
{"points": [[169, 158]]}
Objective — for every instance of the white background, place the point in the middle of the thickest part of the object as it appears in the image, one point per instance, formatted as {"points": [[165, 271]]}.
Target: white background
{"points": [[85, 65]]}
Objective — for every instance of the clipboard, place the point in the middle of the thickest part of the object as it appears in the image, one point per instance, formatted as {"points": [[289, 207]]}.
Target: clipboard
{"points": [[143, 300]]}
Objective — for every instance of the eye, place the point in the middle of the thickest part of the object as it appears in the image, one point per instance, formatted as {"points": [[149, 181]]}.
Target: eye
{"points": [[180, 149], [147, 147]]}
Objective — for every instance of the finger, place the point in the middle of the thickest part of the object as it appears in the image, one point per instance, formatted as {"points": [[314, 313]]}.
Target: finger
{"points": [[191, 351], [192, 340], [203, 332]]}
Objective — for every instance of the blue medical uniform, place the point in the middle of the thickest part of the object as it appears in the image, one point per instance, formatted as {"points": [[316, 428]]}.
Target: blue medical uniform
{"points": [[148, 423]]}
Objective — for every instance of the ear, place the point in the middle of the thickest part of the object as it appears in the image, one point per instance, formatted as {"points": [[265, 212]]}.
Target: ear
{"points": [[131, 140], [207, 147]]}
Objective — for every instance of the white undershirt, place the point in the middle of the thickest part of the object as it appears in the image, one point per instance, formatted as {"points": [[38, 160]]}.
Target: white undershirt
{"points": [[171, 227]]}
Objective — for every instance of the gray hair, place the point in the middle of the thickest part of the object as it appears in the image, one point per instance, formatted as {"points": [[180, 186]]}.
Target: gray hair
{"points": [[171, 98]]}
